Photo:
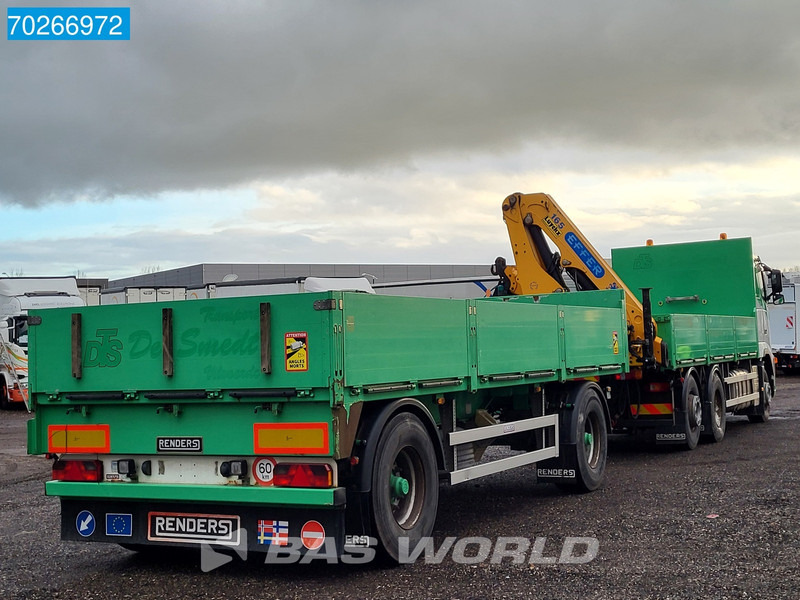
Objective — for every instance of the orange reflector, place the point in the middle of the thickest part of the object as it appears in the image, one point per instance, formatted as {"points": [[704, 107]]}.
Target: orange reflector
{"points": [[291, 438], [78, 438], [651, 409]]}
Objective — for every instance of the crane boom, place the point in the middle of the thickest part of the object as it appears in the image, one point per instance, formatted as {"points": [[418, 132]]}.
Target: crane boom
{"points": [[539, 270]]}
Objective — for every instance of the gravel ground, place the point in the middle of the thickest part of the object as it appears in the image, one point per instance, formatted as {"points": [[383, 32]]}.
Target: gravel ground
{"points": [[719, 522]]}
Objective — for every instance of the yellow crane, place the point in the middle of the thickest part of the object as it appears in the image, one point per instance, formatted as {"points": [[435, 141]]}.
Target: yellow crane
{"points": [[540, 270]]}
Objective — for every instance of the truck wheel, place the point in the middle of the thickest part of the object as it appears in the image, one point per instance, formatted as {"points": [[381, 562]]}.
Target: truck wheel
{"points": [[692, 409], [716, 406], [589, 434], [405, 485], [765, 395]]}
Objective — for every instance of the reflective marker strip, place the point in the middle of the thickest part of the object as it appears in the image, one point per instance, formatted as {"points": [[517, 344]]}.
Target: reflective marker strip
{"points": [[291, 438], [651, 409], [78, 438]]}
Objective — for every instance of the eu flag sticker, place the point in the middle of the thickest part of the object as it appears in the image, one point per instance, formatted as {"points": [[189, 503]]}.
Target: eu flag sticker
{"points": [[119, 524]]}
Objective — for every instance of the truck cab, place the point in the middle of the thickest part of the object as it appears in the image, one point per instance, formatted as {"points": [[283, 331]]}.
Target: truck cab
{"points": [[783, 328], [18, 295]]}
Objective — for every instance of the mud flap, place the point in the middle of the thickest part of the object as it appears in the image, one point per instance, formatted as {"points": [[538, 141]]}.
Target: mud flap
{"points": [[560, 469], [706, 425], [669, 434], [244, 528]]}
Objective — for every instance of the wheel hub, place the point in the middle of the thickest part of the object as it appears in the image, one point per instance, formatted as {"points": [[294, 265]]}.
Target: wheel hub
{"points": [[399, 486], [695, 410]]}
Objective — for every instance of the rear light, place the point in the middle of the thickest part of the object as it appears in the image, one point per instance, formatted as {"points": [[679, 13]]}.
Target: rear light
{"points": [[78, 470], [658, 386], [303, 475]]}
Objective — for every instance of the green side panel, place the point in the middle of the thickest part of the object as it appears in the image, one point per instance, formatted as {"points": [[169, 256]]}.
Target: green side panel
{"points": [[592, 331], [701, 339], [591, 298], [746, 336], [397, 339], [195, 493], [687, 339], [226, 427], [517, 337], [721, 336], [594, 337], [216, 345], [719, 273], [595, 330]]}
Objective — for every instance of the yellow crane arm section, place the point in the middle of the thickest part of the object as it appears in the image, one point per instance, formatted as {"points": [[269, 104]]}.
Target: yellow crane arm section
{"points": [[539, 270]]}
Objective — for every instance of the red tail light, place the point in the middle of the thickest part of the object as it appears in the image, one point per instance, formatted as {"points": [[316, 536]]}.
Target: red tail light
{"points": [[658, 386], [78, 470], [303, 475]]}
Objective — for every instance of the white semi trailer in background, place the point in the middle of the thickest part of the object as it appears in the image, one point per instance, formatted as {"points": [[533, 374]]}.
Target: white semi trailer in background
{"points": [[235, 289], [783, 329], [461, 288], [138, 295], [18, 295]]}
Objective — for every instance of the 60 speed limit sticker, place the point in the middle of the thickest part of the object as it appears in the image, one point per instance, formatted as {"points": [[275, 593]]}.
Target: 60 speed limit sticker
{"points": [[264, 470]]}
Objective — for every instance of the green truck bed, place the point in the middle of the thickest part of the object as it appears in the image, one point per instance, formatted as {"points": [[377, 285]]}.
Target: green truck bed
{"points": [[703, 297], [224, 366]]}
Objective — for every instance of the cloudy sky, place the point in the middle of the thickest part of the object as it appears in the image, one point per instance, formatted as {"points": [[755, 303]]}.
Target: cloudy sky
{"points": [[387, 131]]}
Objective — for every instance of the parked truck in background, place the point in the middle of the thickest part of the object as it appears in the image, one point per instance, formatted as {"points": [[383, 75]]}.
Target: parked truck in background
{"points": [[137, 294], [233, 289], [783, 325], [18, 295], [291, 285], [319, 423]]}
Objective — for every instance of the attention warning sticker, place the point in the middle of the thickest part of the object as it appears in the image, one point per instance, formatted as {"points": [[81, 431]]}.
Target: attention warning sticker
{"points": [[297, 351]]}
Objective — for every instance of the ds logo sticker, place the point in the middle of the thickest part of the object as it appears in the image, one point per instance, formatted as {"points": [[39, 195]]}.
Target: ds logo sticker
{"points": [[104, 352]]}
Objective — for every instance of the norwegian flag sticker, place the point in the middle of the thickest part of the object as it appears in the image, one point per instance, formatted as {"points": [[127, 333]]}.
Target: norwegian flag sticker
{"points": [[273, 533]]}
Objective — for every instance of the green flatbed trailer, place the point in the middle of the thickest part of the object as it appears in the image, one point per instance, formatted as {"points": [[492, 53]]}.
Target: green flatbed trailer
{"points": [[231, 414], [310, 423]]}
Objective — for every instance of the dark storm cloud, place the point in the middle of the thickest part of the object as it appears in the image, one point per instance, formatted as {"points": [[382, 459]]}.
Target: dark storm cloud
{"points": [[208, 95]]}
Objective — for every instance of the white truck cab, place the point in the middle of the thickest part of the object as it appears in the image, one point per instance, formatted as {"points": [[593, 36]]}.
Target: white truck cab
{"points": [[18, 295], [783, 325]]}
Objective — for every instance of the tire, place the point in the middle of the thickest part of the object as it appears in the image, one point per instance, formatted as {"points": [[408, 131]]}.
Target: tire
{"points": [[715, 407], [588, 431], [766, 392], [405, 485], [692, 411]]}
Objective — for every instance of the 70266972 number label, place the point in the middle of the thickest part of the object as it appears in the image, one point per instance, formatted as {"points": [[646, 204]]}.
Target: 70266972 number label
{"points": [[68, 23]]}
